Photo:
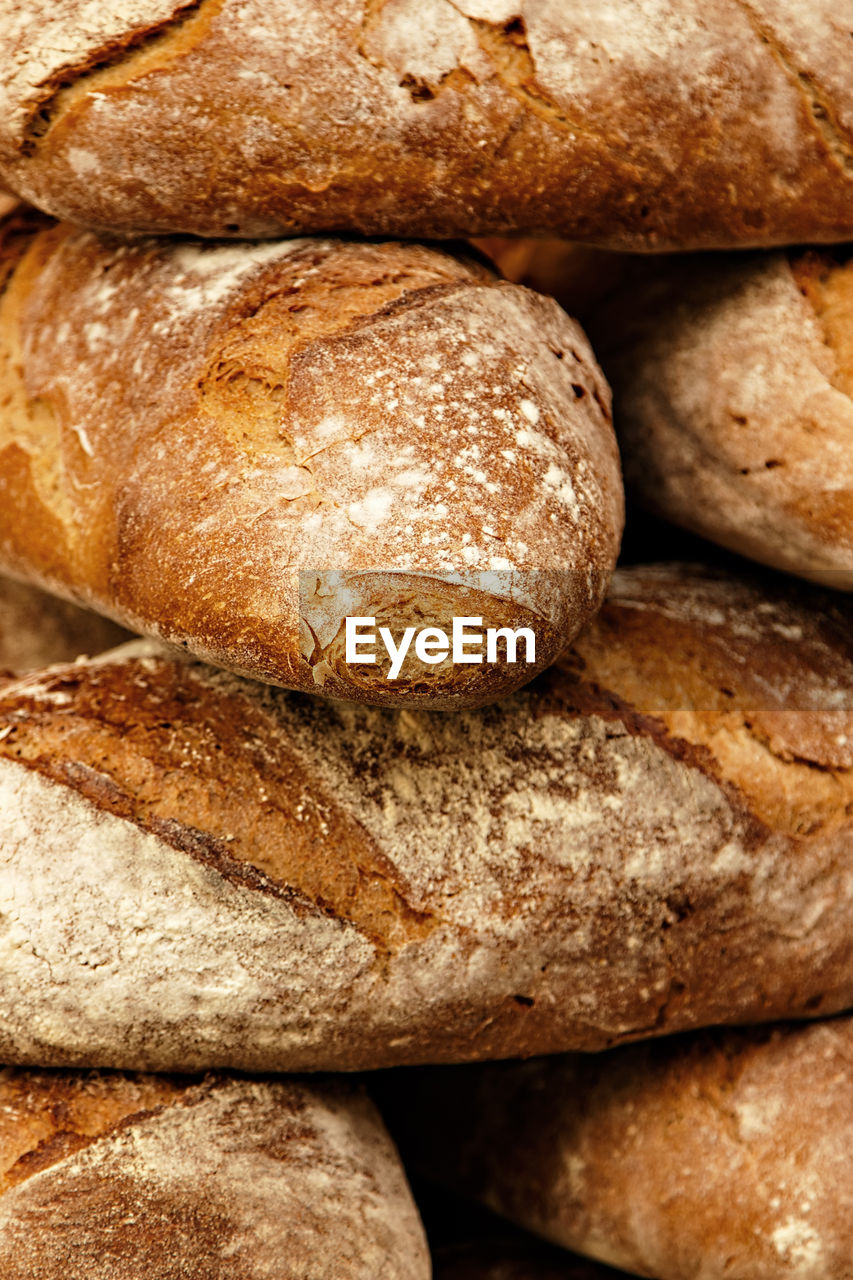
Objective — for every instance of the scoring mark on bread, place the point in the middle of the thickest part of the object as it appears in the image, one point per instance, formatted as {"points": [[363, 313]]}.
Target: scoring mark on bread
{"points": [[819, 107], [325, 296], [118, 60], [266, 826], [46, 1116]]}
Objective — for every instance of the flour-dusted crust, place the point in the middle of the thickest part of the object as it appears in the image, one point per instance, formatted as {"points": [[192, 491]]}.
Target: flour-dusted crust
{"points": [[106, 1177], [198, 871], [652, 124], [37, 629], [194, 432], [734, 380], [723, 1153]]}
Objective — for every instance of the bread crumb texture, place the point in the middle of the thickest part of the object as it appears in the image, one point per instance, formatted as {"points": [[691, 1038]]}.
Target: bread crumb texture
{"points": [[111, 1177], [388, 411], [655, 124], [265, 880]]}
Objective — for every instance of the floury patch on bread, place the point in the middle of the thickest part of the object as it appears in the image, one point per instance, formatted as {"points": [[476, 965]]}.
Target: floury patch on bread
{"points": [[111, 1177], [654, 835], [235, 447], [653, 125]]}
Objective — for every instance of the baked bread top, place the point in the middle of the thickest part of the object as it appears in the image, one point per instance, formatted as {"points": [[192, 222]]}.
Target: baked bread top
{"points": [[118, 1177], [666, 124], [236, 446], [592, 859], [725, 1152]]}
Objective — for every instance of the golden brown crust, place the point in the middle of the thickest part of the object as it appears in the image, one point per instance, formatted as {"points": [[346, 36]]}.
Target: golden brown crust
{"points": [[757, 683], [221, 429], [732, 379], [46, 1116], [122, 1178], [347, 887], [640, 126], [715, 1154]]}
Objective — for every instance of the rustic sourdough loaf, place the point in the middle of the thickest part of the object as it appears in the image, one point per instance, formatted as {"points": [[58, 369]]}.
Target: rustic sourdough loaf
{"points": [[733, 378], [37, 629], [111, 1177], [236, 446], [640, 125], [725, 1153], [656, 834]]}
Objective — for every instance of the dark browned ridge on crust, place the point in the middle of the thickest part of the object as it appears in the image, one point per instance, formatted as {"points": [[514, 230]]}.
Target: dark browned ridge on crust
{"points": [[677, 125]]}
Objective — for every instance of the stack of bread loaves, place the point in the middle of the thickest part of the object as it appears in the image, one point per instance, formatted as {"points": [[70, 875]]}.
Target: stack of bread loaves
{"points": [[397, 768]]}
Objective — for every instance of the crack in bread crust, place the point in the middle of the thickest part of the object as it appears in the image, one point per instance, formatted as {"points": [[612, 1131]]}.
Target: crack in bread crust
{"points": [[818, 102], [118, 61]]}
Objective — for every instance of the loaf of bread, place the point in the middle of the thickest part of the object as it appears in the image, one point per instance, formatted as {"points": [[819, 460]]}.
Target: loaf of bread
{"points": [[37, 629], [668, 123], [197, 871], [236, 447], [733, 380], [722, 1154], [111, 1177]]}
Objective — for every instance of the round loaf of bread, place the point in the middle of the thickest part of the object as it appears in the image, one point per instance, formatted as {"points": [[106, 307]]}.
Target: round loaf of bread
{"points": [[197, 871], [239, 447], [112, 1177], [733, 380], [679, 123], [725, 1153]]}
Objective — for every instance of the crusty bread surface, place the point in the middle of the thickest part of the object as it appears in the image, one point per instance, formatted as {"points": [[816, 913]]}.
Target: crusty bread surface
{"points": [[661, 124], [724, 1153], [654, 835], [109, 1177], [733, 379], [234, 447]]}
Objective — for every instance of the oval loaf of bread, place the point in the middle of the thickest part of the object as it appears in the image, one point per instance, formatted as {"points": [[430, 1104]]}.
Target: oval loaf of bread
{"points": [[237, 446], [733, 380], [111, 1177], [725, 1153], [703, 123], [656, 834]]}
